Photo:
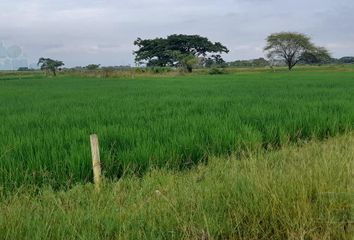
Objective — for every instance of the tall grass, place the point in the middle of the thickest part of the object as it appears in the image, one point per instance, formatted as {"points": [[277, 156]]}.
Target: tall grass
{"points": [[295, 193], [171, 122]]}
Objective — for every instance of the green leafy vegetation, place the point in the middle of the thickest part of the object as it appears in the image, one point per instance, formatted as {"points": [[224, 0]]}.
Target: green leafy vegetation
{"points": [[169, 122], [296, 193], [92, 67], [292, 47], [179, 50], [50, 65], [216, 71], [260, 62]]}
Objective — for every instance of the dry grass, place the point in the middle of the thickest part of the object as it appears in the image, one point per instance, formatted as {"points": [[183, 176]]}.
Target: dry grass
{"points": [[296, 193]]}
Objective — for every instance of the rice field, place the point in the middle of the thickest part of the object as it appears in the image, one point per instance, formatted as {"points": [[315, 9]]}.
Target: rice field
{"points": [[171, 122]]}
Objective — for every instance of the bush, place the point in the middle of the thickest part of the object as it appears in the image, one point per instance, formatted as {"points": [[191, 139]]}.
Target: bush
{"points": [[140, 70], [216, 71], [160, 69], [24, 69]]}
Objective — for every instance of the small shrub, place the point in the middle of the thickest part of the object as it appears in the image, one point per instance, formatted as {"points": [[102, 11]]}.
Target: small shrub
{"points": [[216, 71], [160, 69]]}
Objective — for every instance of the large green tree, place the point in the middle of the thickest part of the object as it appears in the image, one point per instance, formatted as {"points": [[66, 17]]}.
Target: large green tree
{"points": [[48, 64], [177, 50], [292, 47]]}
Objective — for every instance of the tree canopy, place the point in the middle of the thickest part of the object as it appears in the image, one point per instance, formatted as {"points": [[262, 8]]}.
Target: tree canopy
{"points": [[177, 50], [93, 66], [319, 55], [48, 64], [292, 48]]}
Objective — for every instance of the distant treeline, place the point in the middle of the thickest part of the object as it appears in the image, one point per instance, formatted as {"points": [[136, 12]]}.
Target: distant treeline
{"points": [[343, 60], [261, 62]]}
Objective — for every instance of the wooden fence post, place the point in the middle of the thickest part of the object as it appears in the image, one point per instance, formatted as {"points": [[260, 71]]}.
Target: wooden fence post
{"points": [[96, 162]]}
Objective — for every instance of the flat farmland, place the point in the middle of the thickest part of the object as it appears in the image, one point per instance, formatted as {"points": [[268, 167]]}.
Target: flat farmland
{"points": [[172, 122]]}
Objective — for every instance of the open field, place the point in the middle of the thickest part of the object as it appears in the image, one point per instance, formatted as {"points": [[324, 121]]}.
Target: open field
{"points": [[171, 122], [296, 193], [120, 121]]}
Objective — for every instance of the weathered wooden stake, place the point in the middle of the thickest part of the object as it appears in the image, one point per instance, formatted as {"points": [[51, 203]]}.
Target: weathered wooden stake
{"points": [[96, 162]]}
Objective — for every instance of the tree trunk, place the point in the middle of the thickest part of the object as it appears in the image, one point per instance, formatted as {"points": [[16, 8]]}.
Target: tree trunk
{"points": [[290, 66]]}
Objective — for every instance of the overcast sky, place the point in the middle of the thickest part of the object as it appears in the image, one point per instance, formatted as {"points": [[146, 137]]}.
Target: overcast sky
{"points": [[102, 31]]}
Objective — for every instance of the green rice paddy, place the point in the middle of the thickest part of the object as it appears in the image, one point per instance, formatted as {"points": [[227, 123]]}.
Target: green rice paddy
{"points": [[171, 122]]}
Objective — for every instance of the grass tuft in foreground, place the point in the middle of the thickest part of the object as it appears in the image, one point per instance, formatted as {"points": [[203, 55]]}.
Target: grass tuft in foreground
{"points": [[295, 193]]}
